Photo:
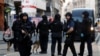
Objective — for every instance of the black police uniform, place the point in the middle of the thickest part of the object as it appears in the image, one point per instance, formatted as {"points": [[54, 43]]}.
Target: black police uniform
{"points": [[43, 29], [69, 42], [86, 31], [56, 30], [24, 39], [25, 43], [16, 33]]}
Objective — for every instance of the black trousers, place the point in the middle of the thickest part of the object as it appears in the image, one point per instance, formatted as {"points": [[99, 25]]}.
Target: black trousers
{"points": [[54, 40], [88, 40], [69, 43], [43, 42], [25, 48], [15, 44]]}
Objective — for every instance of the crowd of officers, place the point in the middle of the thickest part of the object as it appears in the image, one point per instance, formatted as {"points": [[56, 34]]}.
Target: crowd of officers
{"points": [[23, 30]]}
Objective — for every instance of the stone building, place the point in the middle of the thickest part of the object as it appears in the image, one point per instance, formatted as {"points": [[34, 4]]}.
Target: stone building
{"points": [[1, 15]]}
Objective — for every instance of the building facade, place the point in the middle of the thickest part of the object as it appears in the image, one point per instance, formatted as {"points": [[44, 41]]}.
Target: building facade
{"points": [[57, 6], [69, 7], [9, 7], [79, 3], [1, 15], [84, 4], [33, 7], [48, 7], [54, 7], [10, 2], [97, 8]]}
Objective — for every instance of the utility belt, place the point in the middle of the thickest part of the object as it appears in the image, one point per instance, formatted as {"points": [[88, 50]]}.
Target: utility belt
{"points": [[56, 34], [68, 35]]}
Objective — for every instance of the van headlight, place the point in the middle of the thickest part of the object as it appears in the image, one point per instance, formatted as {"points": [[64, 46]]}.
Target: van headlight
{"points": [[92, 28]]}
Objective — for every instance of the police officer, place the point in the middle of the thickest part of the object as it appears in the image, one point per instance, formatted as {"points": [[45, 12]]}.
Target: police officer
{"points": [[69, 42], [56, 29], [86, 32], [25, 29], [16, 33], [43, 29]]}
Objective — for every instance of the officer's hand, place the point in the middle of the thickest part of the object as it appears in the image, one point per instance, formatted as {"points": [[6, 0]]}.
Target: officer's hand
{"points": [[23, 31]]}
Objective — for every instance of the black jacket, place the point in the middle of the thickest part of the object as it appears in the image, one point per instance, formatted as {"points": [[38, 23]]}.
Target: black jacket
{"points": [[86, 25], [43, 27], [56, 28], [26, 26], [16, 28]]}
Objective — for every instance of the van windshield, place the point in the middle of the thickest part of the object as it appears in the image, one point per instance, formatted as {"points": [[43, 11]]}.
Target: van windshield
{"points": [[77, 14]]}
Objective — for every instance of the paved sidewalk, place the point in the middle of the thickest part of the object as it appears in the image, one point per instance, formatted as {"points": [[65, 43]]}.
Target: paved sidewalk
{"points": [[1, 33], [96, 51]]}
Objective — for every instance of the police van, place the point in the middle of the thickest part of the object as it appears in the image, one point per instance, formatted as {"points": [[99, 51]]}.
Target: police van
{"points": [[77, 16]]}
